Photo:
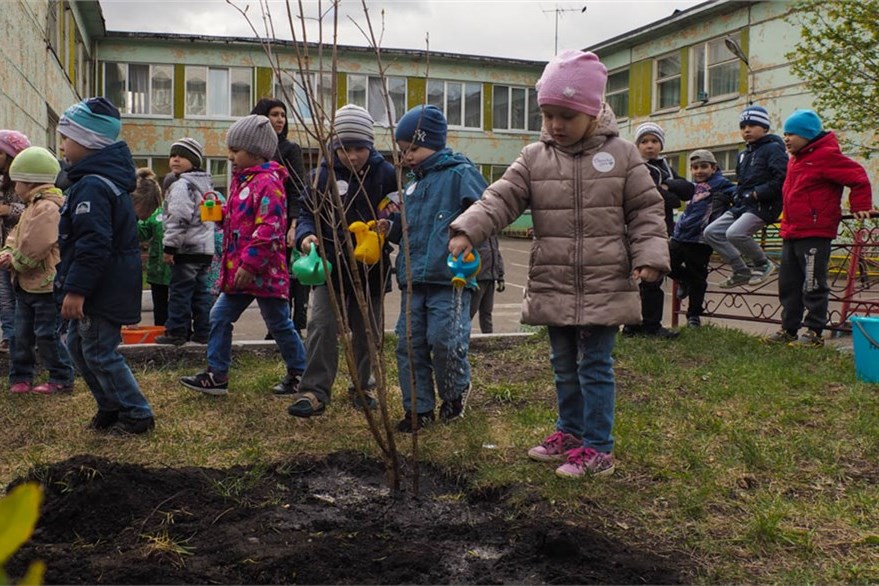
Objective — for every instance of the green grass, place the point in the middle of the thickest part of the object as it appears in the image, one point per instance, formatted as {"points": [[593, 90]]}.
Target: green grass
{"points": [[757, 463]]}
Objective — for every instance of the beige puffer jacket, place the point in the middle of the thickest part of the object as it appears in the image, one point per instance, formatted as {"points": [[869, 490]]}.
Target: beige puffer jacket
{"points": [[33, 242], [597, 215]]}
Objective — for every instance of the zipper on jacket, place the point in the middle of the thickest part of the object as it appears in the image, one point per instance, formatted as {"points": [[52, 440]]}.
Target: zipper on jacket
{"points": [[577, 239]]}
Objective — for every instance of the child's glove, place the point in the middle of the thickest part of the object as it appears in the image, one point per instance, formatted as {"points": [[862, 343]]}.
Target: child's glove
{"points": [[501, 286]]}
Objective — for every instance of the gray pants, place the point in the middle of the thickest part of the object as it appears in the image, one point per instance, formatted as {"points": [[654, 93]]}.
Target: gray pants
{"points": [[482, 301], [321, 343], [733, 238]]}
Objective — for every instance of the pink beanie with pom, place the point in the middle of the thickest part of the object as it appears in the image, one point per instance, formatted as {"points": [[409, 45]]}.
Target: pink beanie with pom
{"points": [[573, 79], [13, 142]]}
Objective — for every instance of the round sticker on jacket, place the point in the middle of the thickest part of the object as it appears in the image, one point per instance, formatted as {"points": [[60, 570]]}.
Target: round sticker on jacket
{"points": [[244, 193], [603, 162], [343, 187], [411, 189]]}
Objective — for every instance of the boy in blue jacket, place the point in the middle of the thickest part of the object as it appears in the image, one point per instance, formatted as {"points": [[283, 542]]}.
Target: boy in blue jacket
{"points": [[760, 170], [442, 184], [99, 276]]}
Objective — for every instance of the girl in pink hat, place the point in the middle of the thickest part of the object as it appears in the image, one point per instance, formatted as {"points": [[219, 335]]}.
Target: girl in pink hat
{"points": [[11, 143]]}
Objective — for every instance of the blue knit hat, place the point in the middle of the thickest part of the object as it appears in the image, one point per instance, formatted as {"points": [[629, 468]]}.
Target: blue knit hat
{"points": [[805, 123], [756, 115], [94, 123], [423, 126]]}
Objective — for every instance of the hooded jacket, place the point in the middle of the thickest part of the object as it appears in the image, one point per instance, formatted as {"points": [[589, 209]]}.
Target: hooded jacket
{"points": [[361, 192], [254, 232], [760, 171], [185, 235], [710, 200], [97, 235], [438, 191], [597, 215], [816, 176], [33, 242]]}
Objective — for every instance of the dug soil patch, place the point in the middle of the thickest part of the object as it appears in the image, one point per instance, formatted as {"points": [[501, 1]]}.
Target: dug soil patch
{"points": [[328, 521]]}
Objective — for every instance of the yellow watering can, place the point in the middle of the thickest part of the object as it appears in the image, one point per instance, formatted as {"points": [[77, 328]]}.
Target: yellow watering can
{"points": [[369, 242], [211, 208], [309, 270]]}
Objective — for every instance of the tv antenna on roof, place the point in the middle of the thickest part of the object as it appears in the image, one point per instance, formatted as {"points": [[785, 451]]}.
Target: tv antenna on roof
{"points": [[558, 11]]}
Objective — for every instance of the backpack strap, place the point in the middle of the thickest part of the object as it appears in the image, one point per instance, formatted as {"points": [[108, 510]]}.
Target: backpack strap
{"points": [[117, 191]]}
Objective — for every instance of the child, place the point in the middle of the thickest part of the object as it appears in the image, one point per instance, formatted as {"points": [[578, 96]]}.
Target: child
{"points": [[99, 277], [254, 262], [365, 178], [11, 143], [489, 279], [598, 229], [760, 171], [816, 175], [689, 253], [650, 140], [188, 247], [442, 185], [31, 253], [148, 207]]}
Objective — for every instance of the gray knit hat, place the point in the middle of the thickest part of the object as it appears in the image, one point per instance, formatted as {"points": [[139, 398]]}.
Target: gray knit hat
{"points": [[255, 135], [650, 128], [353, 128], [189, 149]]}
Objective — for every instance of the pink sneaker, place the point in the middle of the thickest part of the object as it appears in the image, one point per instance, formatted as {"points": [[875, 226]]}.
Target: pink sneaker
{"points": [[20, 387], [554, 447], [586, 461], [52, 388]]}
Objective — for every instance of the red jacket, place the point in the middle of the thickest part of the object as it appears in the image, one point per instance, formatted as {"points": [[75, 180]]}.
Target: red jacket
{"points": [[813, 187]]}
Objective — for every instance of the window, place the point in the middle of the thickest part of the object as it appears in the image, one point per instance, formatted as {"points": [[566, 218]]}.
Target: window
{"points": [[617, 94], [293, 91], [217, 92], [726, 161], [140, 88], [668, 82], [515, 108], [715, 71], [460, 102], [366, 92], [497, 171]]}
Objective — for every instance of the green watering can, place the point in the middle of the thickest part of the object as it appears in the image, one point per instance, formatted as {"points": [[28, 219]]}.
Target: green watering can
{"points": [[309, 270]]}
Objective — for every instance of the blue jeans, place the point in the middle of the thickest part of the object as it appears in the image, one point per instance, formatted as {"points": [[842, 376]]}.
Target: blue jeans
{"points": [[7, 305], [36, 322], [440, 342], [584, 382], [276, 315], [93, 343], [189, 300]]}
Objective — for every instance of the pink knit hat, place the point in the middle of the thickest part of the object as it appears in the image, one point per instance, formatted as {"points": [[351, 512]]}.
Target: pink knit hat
{"points": [[573, 79], [13, 142]]}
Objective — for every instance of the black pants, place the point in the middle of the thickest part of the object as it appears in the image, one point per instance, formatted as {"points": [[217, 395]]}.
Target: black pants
{"points": [[802, 283], [482, 301], [689, 265], [159, 294], [299, 304]]}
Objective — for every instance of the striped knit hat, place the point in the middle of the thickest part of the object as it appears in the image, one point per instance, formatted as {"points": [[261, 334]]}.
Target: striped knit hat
{"points": [[189, 149], [650, 128], [94, 123], [756, 115], [353, 128], [34, 165]]}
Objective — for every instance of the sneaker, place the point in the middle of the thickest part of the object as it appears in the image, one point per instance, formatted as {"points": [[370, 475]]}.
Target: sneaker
{"points": [[171, 339], [371, 399], [451, 410], [553, 448], [808, 339], [53, 388], [289, 385], [20, 387], [662, 333], [199, 338], [586, 461], [737, 279], [631, 331], [103, 420], [694, 321], [762, 272], [683, 290], [306, 405], [4, 346], [126, 426], [422, 420], [206, 382], [780, 337]]}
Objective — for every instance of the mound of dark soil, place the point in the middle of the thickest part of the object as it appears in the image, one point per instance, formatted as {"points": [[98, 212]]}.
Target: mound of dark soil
{"points": [[331, 521]]}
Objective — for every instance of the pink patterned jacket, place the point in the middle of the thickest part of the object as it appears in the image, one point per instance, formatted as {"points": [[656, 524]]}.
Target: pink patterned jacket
{"points": [[254, 232]]}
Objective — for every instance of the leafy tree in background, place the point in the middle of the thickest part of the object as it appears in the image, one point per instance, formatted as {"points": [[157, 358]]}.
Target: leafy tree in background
{"points": [[838, 58]]}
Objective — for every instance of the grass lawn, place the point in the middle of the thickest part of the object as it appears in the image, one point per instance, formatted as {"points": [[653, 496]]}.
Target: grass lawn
{"points": [[758, 463]]}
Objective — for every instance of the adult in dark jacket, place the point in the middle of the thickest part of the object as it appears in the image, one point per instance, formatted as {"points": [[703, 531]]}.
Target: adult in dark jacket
{"points": [[289, 154], [760, 170], [99, 275], [489, 279], [363, 178]]}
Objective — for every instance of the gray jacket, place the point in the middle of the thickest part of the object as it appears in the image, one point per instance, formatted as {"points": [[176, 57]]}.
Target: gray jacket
{"points": [[185, 233]]}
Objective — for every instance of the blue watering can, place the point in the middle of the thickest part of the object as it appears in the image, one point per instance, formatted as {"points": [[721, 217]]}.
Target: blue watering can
{"points": [[463, 267]]}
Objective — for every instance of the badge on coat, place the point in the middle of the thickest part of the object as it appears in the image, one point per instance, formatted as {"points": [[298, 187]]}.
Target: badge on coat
{"points": [[244, 193], [411, 189], [83, 207], [343, 187], [603, 162]]}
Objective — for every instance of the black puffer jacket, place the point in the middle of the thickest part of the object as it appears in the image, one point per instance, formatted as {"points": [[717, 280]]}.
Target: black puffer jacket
{"points": [[761, 169]]}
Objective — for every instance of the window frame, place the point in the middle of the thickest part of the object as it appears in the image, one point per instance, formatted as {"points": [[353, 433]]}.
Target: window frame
{"points": [[381, 118], [609, 94], [321, 83], [703, 74], [445, 108], [657, 81], [530, 95], [123, 108], [207, 69]]}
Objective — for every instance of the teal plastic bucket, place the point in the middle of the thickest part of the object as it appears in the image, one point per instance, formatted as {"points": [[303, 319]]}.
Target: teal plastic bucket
{"points": [[865, 339]]}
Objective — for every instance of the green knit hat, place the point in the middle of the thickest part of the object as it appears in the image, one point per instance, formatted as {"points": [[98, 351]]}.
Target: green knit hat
{"points": [[34, 165]]}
